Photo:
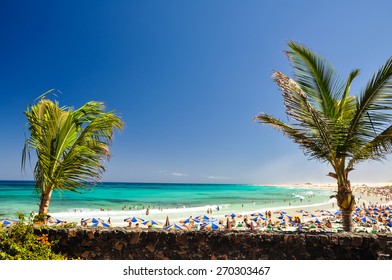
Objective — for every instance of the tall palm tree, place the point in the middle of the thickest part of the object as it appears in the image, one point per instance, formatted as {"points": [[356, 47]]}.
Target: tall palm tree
{"points": [[70, 145], [329, 124]]}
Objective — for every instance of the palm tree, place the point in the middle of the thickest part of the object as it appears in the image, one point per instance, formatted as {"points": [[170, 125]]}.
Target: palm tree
{"points": [[69, 144], [328, 123]]}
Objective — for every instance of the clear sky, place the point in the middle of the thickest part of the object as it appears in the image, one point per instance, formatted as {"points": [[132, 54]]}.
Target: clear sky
{"points": [[187, 77]]}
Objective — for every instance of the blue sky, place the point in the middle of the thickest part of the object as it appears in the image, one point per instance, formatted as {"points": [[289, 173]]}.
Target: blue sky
{"points": [[187, 77]]}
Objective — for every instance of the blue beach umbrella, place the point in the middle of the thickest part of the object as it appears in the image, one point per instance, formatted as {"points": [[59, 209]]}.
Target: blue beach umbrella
{"points": [[100, 224], [134, 220], [203, 217], [6, 222], [52, 221], [234, 215], [280, 217], [92, 221], [152, 223], [187, 221], [175, 227], [283, 223], [257, 214], [257, 218], [212, 226], [389, 224], [338, 212], [368, 220], [317, 221]]}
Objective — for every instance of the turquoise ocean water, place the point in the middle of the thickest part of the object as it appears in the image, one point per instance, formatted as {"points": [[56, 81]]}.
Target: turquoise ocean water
{"points": [[121, 200]]}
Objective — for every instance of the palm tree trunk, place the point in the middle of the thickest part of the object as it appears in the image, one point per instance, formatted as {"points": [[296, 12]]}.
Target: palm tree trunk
{"points": [[346, 203], [347, 221], [44, 203]]}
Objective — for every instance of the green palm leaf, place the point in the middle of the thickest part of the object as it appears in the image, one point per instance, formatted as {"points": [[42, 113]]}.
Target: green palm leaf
{"points": [[328, 123], [70, 144]]}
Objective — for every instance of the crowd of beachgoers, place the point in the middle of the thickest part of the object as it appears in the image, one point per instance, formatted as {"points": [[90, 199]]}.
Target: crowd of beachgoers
{"points": [[373, 214]]}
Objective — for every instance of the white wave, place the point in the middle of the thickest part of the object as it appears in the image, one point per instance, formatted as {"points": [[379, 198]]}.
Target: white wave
{"points": [[297, 196]]}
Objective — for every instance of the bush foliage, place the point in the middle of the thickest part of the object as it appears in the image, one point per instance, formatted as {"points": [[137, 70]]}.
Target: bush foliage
{"points": [[19, 242]]}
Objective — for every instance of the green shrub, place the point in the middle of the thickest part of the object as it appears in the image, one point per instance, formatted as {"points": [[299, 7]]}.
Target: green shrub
{"points": [[19, 242]]}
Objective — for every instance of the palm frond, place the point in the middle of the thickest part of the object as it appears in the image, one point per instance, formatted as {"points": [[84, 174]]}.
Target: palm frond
{"points": [[373, 113], [377, 149], [70, 145], [308, 144], [316, 77], [307, 119]]}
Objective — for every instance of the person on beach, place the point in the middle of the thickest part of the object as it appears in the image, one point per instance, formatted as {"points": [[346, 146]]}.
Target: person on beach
{"points": [[130, 224]]}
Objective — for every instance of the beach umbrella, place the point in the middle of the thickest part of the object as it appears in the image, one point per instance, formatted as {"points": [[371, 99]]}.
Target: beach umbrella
{"points": [[212, 226], [312, 215], [175, 227], [338, 212], [203, 218], [257, 218], [283, 223], [233, 215], [389, 224], [6, 222], [317, 221], [257, 214], [368, 220], [283, 212], [187, 221], [280, 217], [52, 221], [92, 221], [134, 220], [375, 213], [152, 223], [100, 224], [206, 219]]}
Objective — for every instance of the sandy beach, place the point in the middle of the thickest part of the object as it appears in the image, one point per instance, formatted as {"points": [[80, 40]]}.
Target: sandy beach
{"points": [[368, 196]]}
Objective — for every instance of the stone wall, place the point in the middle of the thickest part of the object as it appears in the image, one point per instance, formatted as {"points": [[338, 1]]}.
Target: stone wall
{"points": [[131, 244]]}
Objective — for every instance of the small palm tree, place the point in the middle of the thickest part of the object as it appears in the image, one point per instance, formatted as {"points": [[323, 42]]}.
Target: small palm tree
{"points": [[329, 124], [70, 145]]}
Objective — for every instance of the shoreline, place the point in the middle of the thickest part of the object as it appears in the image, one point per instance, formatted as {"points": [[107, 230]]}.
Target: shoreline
{"points": [[365, 193]]}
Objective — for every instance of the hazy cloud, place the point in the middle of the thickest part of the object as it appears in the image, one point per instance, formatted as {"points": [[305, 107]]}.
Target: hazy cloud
{"points": [[219, 177], [178, 174]]}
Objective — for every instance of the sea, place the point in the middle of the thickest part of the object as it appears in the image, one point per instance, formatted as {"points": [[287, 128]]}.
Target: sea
{"points": [[119, 201]]}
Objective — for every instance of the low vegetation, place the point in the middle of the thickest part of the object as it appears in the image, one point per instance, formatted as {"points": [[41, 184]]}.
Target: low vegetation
{"points": [[19, 242]]}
